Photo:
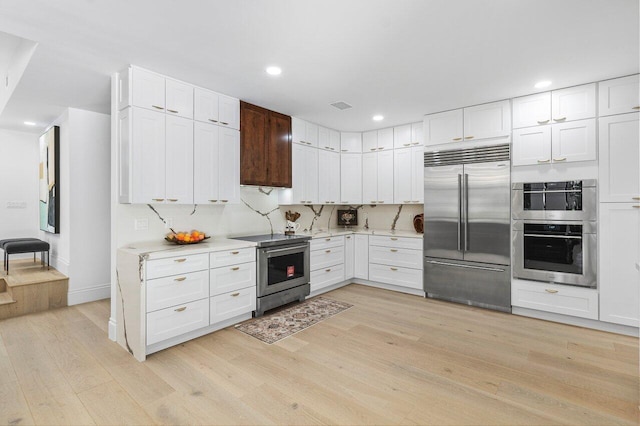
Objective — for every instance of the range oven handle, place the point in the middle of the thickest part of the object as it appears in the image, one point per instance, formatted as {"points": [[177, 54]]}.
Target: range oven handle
{"points": [[572, 237], [280, 250]]}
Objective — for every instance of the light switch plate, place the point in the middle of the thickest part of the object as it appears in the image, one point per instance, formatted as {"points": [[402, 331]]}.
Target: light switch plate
{"points": [[141, 224], [16, 204]]}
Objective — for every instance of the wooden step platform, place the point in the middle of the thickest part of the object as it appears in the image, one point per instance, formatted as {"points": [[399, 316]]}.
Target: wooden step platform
{"points": [[31, 288]]}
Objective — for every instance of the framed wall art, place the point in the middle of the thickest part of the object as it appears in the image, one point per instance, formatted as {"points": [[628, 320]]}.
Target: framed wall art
{"points": [[49, 175]]}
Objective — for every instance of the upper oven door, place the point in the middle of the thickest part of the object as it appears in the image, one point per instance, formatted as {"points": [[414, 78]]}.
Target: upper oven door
{"points": [[282, 268], [571, 200]]}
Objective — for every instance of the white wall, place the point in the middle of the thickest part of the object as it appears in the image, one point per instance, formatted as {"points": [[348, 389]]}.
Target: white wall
{"points": [[19, 158]]}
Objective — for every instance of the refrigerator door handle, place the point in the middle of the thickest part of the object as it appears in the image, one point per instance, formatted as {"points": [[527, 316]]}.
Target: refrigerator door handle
{"points": [[466, 212], [455, 265], [459, 211]]}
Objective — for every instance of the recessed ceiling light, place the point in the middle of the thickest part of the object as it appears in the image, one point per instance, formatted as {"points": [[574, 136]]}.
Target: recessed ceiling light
{"points": [[542, 84], [378, 118], [29, 123], [273, 70]]}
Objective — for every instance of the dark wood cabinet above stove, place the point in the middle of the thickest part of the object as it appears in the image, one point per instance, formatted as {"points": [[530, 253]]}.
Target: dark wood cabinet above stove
{"points": [[265, 147]]}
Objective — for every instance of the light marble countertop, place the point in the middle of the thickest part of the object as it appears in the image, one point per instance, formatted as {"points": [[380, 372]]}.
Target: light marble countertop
{"points": [[164, 249], [336, 232]]}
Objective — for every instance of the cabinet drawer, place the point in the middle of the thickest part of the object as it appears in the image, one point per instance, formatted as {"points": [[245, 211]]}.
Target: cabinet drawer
{"points": [[403, 277], [177, 320], [326, 277], [177, 265], [232, 304], [396, 257], [567, 300], [326, 242], [323, 258], [232, 257], [233, 277], [395, 242], [177, 289]]}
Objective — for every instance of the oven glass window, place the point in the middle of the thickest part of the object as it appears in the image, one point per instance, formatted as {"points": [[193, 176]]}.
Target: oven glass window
{"points": [[286, 267], [556, 248], [563, 196]]}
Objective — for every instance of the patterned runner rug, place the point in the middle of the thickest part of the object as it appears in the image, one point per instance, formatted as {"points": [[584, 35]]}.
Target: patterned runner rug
{"points": [[286, 322]]}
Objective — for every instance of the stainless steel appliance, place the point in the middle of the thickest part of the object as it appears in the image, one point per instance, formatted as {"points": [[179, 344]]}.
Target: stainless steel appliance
{"points": [[467, 226], [283, 270], [555, 232]]}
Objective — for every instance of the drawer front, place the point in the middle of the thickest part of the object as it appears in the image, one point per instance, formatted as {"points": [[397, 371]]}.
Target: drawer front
{"points": [[229, 305], [396, 257], [177, 320], [321, 259], [566, 300], [232, 257], [395, 242], [326, 277], [177, 265], [178, 289], [403, 277], [230, 278], [327, 242]]}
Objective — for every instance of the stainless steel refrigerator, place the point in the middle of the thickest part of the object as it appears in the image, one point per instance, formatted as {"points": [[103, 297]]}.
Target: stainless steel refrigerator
{"points": [[467, 201]]}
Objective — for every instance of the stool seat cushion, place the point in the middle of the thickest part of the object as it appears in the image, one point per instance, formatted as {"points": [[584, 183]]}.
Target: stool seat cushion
{"points": [[15, 240], [26, 247]]}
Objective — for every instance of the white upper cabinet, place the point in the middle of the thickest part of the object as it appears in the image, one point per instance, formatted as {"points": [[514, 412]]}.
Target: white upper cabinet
{"points": [[179, 155], [487, 121], [304, 176], [619, 148], [531, 146], [443, 127], [385, 177], [385, 139], [408, 175], [147, 89], [618, 96], [334, 140], [377, 177], [573, 141], [312, 134], [370, 141], [417, 133], [573, 103], [417, 186], [350, 142], [324, 139], [402, 136], [303, 132], [329, 177], [206, 105], [229, 165], [350, 179], [179, 98], [533, 110], [206, 159], [148, 156], [229, 112]]}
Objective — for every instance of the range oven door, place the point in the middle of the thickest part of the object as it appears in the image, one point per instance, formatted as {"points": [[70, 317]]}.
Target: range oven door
{"points": [[570, 200], [282, 267], [555, 251]]}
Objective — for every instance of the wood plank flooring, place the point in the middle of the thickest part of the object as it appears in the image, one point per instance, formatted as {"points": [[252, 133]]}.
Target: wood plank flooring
{"points": [[390, 359]]}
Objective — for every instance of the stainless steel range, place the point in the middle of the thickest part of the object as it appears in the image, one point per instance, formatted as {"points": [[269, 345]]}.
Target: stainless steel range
{"points": [[283, 269]]}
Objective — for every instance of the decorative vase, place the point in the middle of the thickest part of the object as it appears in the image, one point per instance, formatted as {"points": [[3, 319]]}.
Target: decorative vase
{"points": [[418, 223]]}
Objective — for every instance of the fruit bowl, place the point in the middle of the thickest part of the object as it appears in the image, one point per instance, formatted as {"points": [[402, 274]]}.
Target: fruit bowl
{"points": [[183, 238]]}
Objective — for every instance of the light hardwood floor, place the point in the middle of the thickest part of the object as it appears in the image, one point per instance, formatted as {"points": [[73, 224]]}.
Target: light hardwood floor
{"points": [[390, 359]]}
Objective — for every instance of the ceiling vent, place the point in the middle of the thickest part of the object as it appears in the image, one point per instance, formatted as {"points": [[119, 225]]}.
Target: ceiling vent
{"points": [[341, 105]]}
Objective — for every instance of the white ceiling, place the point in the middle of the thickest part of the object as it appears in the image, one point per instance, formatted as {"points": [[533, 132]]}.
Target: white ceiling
{"points": [[399, 58]]}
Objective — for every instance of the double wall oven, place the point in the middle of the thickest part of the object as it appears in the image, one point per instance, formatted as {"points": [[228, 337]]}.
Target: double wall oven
{"points": [[554, 232]]}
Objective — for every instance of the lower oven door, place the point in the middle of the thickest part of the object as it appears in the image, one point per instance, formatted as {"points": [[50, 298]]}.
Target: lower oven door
{"points": [[281, 268], [555, 251]]}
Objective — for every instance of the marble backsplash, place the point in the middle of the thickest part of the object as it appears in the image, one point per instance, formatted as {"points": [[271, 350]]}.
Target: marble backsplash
{"points": [[257, 213]]}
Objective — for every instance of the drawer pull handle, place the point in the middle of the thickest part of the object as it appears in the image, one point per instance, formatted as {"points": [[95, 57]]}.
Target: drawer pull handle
{"points": [[394, 239], [235, 295], [348, 237], [327, 251], [548, 290], [393, 250], [544, 161], [327, 270], [635, 198], [373, 149], [235, 252], [394, 269], [180, 309], [173, 200], [468, 137], [180, 279], [180, 260], [327, 239], [235, 268], [543, 121], [225, 201], [637, 206], [157, 107], [457, 139], [225, 123], [406, 144], [560, 159], [636, 107], [212, 120], [213, 201], [172, 110], [158, 199], [560, 119]]}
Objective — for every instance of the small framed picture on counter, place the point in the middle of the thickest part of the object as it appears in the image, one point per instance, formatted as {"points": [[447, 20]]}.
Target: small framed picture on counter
{"points": [[348, 217]]}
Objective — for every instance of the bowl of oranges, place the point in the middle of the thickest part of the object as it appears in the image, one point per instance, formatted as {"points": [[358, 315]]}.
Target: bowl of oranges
{"points": [[193, 237]]}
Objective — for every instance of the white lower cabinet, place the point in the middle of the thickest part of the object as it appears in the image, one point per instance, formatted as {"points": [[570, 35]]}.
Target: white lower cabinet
{"points": [[176, 320], [396, 261], [321, 278], [228, 305], [349, 256], [559, 299], [361, 259], [327, 262], [403, 277], [168, 291], [231, 278]]}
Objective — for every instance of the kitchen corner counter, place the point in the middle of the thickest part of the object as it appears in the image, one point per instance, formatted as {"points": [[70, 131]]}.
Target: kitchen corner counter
{"points": [[160, 250], [338, 232]]}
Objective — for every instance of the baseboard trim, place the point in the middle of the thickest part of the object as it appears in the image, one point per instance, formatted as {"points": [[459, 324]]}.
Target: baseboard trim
{"points": [[89, 294], [62, 265], [113, 326]]}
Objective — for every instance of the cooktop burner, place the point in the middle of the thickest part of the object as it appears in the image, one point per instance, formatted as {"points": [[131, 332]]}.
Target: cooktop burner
{"points": [[269, 240]]}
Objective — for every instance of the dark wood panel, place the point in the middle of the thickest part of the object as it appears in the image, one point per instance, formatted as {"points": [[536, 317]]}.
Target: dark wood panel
{"points": [[280, 150], [254, 123]]}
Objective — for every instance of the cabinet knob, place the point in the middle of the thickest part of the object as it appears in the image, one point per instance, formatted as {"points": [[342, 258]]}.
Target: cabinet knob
{"points": [[560, 119], [180, 309], [543, 121]]}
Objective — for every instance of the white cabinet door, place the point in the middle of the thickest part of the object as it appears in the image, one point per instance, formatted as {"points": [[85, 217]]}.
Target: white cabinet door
{"points": [[350, 178], [370, 178], [311, 180], [402, 136], [417, 133], [619, 147], [487, 121], [298, 174], [385, 139], [179, 98], [385, 177], [349, 256], [334, 140], [298, 130], [329, 177], [311, 134], [533, 110], [361, 261], [148, 156], [205, 163], [205, 105], [443, 127], [531, 146], [229, 112], [324, 140], [403, 176], [370, 141], [350, 142], [573, 141], [229, 165], [148, 89], [573, 103], [417, 170], [619, 236], [179, 164], [619, 95]]}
